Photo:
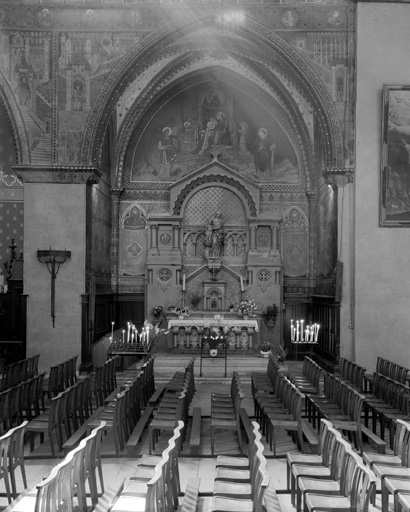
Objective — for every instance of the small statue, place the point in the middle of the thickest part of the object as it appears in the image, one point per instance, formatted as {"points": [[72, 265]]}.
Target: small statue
{"points": [[214, 236]]}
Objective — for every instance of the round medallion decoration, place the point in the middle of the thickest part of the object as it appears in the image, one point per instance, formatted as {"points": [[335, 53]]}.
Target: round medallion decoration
{"points": [[45, 17], [334, 18], [289, 18], [165, 238], [264, 276], [164, 274]]}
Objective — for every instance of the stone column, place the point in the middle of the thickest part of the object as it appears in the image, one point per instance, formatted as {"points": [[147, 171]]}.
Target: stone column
{"points": [[115, 235], [55, 216], [253, 238], [312, 199]]}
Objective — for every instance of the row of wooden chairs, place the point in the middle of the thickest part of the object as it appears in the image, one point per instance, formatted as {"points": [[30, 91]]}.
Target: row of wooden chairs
{"points": [[240, 483], [148, 380], [20, 402], [262, 381], [67, 412], [61, 377], [389, 369], [19, 371], [335, 479], [65, 486], [121, 414], [155, 486], [308, 381], [174, 407], [342, 405], [104, 381], [351, 373], [225, 411], [281, 410], [393, 470], [389, 401]]}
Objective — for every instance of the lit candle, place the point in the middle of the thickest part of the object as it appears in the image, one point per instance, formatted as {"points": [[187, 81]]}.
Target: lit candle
{"points": [[123, 335], [292, 331], [242, 287], [317, 331], [301, 330], [128, 331], [297, 330], [110, 340], [132, 335], [136, 335], [183, 282], [112, 330]]}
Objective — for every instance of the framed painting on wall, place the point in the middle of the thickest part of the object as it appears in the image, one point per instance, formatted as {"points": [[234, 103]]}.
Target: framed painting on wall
{"points": [[395, 157]]}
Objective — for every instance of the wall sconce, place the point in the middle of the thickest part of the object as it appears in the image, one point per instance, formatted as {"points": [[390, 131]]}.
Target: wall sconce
{"points": [[53, 260]]}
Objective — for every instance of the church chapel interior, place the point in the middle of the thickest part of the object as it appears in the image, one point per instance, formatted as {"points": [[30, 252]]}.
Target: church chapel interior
{"points": [[172, 172]]}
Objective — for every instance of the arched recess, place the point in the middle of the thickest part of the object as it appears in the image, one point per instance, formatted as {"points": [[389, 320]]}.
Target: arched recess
{"points": [[270, 55], [16, 122]]}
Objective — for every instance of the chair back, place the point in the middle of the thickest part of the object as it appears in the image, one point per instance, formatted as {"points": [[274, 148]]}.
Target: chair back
{"points": [[363, 488]]}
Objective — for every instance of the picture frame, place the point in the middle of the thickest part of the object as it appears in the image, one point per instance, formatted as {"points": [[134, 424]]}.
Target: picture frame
{"points": [[395, 157]]}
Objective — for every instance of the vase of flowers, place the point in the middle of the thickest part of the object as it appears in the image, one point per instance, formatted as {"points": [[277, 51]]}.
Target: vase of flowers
{"points": [[246, 308], [157, 311], [182, 312]]}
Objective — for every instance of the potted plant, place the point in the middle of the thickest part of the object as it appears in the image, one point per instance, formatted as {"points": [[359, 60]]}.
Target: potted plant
{"points": [[265, 349]]}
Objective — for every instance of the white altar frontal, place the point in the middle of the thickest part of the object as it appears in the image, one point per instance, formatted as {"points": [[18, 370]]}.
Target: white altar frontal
{"points": [[188, 332]]}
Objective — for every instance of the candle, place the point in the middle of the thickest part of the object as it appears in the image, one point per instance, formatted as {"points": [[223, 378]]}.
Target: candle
{"points": [[136, 335], [112, 330], [183, 282], [123, 335], [128, 332], [292, 331], [242, 287], [301, 330], [132, 335], [297, 330], [110, 340]]}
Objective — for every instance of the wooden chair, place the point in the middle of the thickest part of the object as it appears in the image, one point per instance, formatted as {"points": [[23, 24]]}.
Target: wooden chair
{"points": [[167, 422], [291, 422], [150, 461], [228, 421], [362, 488], [16, 456], [47, 422], [5, 464], [324, 445], [93, 463], [401, 437], [148, 496]]}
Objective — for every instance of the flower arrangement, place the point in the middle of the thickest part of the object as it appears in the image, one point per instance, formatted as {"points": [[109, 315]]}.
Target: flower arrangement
{"points": [[157, 311], [246, 307], [182, 311], [215, 333], [265, 347]]}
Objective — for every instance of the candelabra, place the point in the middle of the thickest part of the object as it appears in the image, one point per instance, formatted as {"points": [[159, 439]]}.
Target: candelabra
{"points": [[307, 335]]}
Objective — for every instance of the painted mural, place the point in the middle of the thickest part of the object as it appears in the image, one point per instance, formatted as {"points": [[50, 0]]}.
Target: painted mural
{"points": [[183, 134], [326, 232]]}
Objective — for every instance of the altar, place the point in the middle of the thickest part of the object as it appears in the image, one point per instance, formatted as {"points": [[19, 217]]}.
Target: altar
{"points": [[188, 332]]}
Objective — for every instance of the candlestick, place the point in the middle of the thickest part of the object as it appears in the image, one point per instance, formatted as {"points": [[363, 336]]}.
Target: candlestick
{"points": [[183, 282]]}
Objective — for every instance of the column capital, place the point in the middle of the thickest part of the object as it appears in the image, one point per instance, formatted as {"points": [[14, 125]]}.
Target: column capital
{"points": [[338, 176], [78, 174]]}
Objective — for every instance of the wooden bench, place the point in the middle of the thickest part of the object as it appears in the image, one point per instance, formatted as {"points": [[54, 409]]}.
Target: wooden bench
{"points": [[380, 445], [81, 432], [246, 422], [138, 430], [154, 399], [195, 439], [190, 499]]}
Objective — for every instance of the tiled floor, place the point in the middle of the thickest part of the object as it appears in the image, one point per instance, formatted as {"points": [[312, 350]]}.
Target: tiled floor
{"points": [[116, 469]]}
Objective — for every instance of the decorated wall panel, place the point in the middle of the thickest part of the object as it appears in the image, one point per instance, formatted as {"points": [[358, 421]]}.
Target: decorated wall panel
{"points": [[326, 232], [133, 240], [11, 193]]}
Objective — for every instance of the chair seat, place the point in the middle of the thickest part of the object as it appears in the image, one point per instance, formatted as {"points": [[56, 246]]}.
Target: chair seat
{"points": [[224, 461], [235, 489], [230, 475], [224, 504]]}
